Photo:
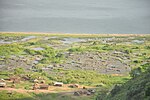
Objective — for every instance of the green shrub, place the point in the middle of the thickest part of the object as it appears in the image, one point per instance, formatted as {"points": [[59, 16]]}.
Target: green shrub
{"points": [[147, 90], [147, 47], [27, 87], [136, 72], [136, 61], [128, 51], [31, 52], [107, 47], [10, 49], [76, 49], [115, 90], [145, 67], [19, 70]]}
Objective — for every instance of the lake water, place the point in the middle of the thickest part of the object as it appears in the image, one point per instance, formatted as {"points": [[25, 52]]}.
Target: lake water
{"points": [[75, 16]]}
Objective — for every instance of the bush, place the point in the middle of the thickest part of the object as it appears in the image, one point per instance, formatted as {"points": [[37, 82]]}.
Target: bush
{"points": [[76, 49], [136, 72], [107, 47], [145, 67], [128, 51], [31, 52], [136, 61], [19, 71], [147, 47], [27, 87], [115, 90], [147, 91]]}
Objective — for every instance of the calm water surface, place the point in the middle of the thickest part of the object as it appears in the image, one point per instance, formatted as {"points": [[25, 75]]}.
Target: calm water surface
{"points": [[75, 16]]}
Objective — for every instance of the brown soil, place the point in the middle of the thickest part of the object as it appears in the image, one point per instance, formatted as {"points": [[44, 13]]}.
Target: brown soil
{"points": [[53, 89]]}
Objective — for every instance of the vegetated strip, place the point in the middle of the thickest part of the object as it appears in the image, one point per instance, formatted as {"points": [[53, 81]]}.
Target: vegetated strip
{"points": [[75, 34]]}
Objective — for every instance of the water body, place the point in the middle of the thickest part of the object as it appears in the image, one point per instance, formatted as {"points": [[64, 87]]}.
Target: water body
{"points": [[72, 40], [75, 16]]}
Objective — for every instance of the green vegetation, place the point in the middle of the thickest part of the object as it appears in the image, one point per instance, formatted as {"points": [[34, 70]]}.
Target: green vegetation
{"points": [[10, 49], [18, 71], [51, 55], [5, 95], [86, 77], [117, 66], [135, 89]]}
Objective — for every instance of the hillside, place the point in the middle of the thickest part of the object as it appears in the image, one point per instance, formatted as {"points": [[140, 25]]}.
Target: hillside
{"points": [[138, 88]]}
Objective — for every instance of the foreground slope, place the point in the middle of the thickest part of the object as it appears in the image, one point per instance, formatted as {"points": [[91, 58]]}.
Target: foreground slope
{"points": [[138, 88]]}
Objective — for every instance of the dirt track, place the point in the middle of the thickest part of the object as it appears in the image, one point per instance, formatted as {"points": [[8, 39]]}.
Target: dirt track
{"points": [[26, 91], [52, 89]]}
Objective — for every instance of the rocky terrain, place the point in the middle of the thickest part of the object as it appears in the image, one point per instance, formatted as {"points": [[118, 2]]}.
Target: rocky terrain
{"points": [[109, 62]]}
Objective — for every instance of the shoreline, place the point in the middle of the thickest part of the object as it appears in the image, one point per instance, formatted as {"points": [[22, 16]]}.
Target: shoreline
{"points": [[74, 34]]}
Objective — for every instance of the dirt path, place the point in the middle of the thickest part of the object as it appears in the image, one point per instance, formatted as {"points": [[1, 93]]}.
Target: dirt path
{"points": [[26, 91], [52, 89]]}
